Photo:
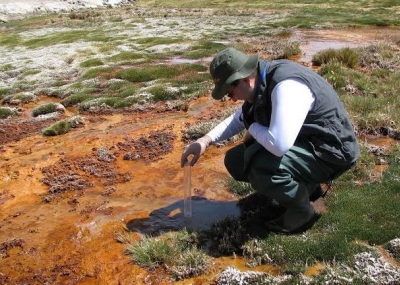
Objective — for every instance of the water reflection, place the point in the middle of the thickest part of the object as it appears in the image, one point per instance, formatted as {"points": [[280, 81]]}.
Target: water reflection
{"points": [[171, 217]]}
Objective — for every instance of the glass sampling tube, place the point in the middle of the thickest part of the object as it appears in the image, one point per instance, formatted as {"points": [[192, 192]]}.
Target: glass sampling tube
{"points": [[187, 201]]}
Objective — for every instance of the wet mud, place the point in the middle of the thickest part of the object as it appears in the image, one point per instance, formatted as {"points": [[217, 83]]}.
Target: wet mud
{"points": [[63, 199]]}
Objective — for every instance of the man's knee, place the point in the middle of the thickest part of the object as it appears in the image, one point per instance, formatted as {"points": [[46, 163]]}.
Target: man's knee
{"points": [[234, 163]]}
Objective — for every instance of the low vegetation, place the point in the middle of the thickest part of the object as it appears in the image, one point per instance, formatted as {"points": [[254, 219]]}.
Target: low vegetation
{"points": [[177, 252], [63, 126], [6, 112], [44, 109], [345, 56], [19, 98]]}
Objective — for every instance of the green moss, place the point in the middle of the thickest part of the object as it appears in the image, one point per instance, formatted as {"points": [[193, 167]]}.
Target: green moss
{"points": [[24, 97], [240, 188], [44, 109], [104, 72], [161, 93], [177, 252], [9, 40], [346, 56], [126, 57], [91, 62], [6, 112], [153, 41], [66, 37], [75, 99], [6, 67], [58, 128], [112, 102], [5, 91], [63, 127], [203, 49], [147, 73], [335, 73], [29, 72]]}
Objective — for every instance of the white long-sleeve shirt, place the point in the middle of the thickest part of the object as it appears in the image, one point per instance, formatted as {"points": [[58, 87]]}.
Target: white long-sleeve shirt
{"points": [[291, 102]]}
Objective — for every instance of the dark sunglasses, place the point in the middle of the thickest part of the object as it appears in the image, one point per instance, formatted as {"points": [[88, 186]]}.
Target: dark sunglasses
{"points": [[234, 84]]}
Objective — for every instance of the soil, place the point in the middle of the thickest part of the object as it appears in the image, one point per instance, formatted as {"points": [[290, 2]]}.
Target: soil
{"points": [[64, 199]]}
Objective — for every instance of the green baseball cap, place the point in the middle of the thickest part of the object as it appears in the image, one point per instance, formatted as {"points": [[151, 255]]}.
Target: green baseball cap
{"points": [[230, 65]]}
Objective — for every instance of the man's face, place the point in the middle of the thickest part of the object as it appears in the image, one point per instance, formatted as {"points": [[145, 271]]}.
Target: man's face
{"points": [[241, 89]]}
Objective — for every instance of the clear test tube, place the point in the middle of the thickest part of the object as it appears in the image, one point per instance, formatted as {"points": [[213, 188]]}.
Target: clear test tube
{"points": [[187, 192]]}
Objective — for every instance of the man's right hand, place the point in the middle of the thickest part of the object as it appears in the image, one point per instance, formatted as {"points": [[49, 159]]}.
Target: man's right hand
{"points": [[196, 149]]}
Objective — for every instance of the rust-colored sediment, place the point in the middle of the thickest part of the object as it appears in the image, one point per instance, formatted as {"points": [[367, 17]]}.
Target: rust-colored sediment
{"points": [[64, 198]]}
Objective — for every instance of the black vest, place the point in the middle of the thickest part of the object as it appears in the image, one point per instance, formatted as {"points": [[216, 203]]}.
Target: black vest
{"points": [[327, 128]]}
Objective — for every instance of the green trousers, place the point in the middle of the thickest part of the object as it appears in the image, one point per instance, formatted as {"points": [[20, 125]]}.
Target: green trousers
{"points": [[289, 179]]}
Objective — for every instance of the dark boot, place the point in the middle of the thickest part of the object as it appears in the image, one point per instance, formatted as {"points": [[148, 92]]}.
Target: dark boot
{"points": [[294, 220], [317, 193]]}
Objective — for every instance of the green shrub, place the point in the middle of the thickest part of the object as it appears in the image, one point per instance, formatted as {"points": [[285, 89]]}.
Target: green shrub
{"points": [[29, 72], [63, 127], [9, 40], [147, 74], [203, 49], [334, 73], [346, 56], [59, 128], [292, 48], [91, 62], [230, 234], [109, 101], [24, 97], [380, 56], [177, 252], [126, 56], [44, 109], [150, 253], [5, 91], [153, 41], [6, 67], [189, 263], [240, 188], [324, 56], [198, 130], [75, 15], [6, 112], [161, 93], [103, 72], [75, 99], [281, 48]]}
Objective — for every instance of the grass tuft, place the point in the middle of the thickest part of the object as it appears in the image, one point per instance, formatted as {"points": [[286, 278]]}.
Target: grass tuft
{"points": [[91, 62], [176, 251], [63, 127], [59, 128], [75, 99], [346, 56], [44, 109], [6, 112], [23, 97], [239, 188]]}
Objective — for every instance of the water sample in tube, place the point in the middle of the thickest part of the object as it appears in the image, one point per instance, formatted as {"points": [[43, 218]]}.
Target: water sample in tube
{"points": [[187, 200]]}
